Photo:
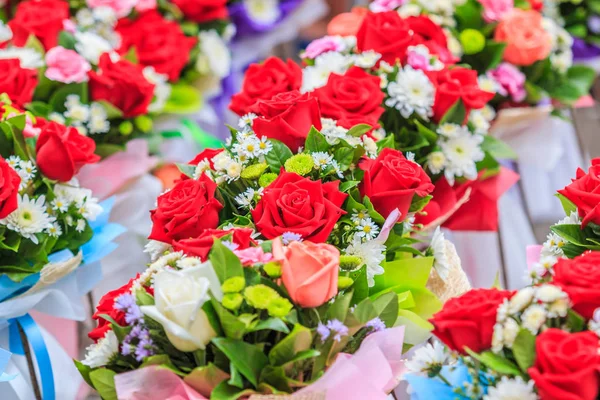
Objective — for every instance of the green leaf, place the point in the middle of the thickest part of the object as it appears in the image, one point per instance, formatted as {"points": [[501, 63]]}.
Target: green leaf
{"points": [[34, 44], [143, 298], [224, 391], [567, 93], [359, 130], [298, 340], [131, 55], [184, 99], [339, 308], [58, 99], [205, 379], [407, 273], [345, 186], [455, 114], [158, 359], [497, 148], [386, 307], [247, 358], [107, 149], [360, 287], [419, 203], [112, 112], [18, 121], [386, 143], [235, 377], [495, 362], [581, 77], [11, 241], [524, 349], [84, 370], [427, 133], [273, 324], [275, 376], [226, 264], [315, 141], [277, 156], [66, 40], [344, 156], [186, 169], [571, 233], [575, 321], [492, 54], [232, 326], [103, 381], [567, 205]]}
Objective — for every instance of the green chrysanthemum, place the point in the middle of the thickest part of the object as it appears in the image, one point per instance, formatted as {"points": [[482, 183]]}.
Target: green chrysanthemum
{"points": [[260, 296], [344, 282], [232, 301], [234, 285], [472, 41], [302, 164], [266, 179], [279, 308], [253, 172], [350, 263], [273, 269]]}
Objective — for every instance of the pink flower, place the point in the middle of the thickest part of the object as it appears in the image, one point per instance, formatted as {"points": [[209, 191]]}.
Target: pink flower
{"points": [[511, 81], [69, 26], [385, 5], [253, 255], [29, 131], [145, 5], [494, 10], [324, 45], [66, 66], [122, 8]]}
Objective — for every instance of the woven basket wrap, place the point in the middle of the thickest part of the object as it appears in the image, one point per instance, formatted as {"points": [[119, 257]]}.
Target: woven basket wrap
{"points": [[457, 282]]}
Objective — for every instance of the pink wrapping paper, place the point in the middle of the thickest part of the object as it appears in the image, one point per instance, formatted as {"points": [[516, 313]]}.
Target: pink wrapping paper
{"points": [[533, 255], [371, 373], [111, 174], [63, 330]]}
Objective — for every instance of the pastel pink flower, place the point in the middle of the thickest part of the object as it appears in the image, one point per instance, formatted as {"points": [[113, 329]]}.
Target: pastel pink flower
{"points": [[69, 26], [145, 5], [122, 8], [29, 131], [385, 5], [417, 60], [494, 10], [511, 81], [253, 255], [66, 66], [324, 45]]}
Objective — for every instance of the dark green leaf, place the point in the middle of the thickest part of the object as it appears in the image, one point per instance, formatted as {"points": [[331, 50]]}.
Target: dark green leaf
{"points": [[571, 233], [339, 309], [582, 77], [315, 141], [103, 381], [247, 358], [524, 349], [273, 324], [66, 40], [225, 263], [235, 377], [455, 114], [359, 130], [58, 99], [186, 169], [575, 321], [360, 287], [232, 326], [344, 156], [496, 362], [386, 307], [345, 186], [277, 156], [275, 377], [386, 143], [143, 298], [419, 203], [567, 204], [497, 148], [298, 340], [112, 112]]}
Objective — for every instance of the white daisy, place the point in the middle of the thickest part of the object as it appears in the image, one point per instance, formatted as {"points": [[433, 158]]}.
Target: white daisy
{"points": [[480, 123], [29, 218], [28, 58], [438, 246], [436, 161], [99, 354], [264, 12], [54, 230], [533, 318], [452, 130], [80, 225], [14, 162], [428, 358], [372, 254], [247, 120], [56, 117], [98, 119], [316, 76], [216, 53], [571, 219], [411, 92], [367, 229], [246, 199], [332, 132], [156, 249], [367, 59], [248, 146], [322, 160], [512, 389], [76, 111], [461, 154]]}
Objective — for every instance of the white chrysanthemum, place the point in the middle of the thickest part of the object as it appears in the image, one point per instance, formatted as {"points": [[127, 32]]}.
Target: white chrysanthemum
{"points": [[54, 230], [559, 308], [512, 389], [521, 300], [221, 161], [189, 262], [571, 219], [533, 318], [85, 18], [502, 312], [372, 254], [56, 117], [91, 46], [411, 92], [452, 130], [248, 197], [29, 218], [26, 171], [480, 123], [367, 59], [99, 354], [76, 111], [27, 57], [436, 161], [409, 10], [498, 338], [322, 160], [511, 330], [488, 84], [216, 52], [5, 32], [428, 358], [488, 112], [316, 76], [462, 153], [370, 146], [106, 15], [549, 293], [562, 61], [156, 249], [233, 171], [438, 246], [263, 11], [98, 119]]}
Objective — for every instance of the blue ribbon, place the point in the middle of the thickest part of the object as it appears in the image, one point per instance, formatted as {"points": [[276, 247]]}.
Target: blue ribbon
{"points": [[38, 346]]}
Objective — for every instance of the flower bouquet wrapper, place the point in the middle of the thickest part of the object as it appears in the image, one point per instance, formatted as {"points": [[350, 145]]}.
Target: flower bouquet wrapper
{"points": [[457, 281], [370, 373]]}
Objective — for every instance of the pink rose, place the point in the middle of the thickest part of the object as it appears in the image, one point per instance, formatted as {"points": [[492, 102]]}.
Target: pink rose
{"points": [[385, 5], [122, 8], [145, 5], [510, 80], [494, 10], [69, 26], [253, 255], [66, 66], [527, 41], [309, 271], [324, 45]]}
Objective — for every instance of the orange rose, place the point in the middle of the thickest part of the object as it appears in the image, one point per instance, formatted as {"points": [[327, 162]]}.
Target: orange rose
{"points": [[309, 271], [526, 39], [347, 24]]}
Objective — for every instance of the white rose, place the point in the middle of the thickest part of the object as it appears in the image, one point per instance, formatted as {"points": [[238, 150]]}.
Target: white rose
{"points": [[179, 297]]}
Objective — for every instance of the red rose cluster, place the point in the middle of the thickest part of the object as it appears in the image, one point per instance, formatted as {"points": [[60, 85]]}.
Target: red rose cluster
{"points": [[584, 192]]}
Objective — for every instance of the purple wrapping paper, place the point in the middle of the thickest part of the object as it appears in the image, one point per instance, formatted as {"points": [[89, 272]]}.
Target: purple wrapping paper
{"points": [[246, 26], [583, 50]]}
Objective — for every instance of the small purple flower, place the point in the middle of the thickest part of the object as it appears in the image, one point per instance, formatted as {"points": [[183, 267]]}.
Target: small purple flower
{"points": [[339, 328], [323, 332], [143, 346], [376, 324], [126, 303], [289, 237], [593, 24]]}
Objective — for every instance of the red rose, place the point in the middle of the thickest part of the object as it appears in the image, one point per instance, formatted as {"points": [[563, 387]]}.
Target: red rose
{"points": [[40, 18], [18, 83], [263, 81], [9, 188], [584, 192], [567, 365], [432, 36], [288, 118], [580, 279], [158, 42], [200, 246], [62, 151], [295, 204], [351, 99], [391, 181], [386, 33], [468, 320], [106, 306], [454, 84], [122, 84], [203, 10], [186, 210]]}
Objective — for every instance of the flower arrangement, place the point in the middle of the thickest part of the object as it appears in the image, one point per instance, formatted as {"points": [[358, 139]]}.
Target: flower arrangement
{"points": [[539, 342], [252, 17], [108, 68], [581, 20], [520, 55]]}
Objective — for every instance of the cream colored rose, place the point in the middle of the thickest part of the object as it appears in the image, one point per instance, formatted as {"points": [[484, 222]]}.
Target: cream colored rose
{"points": [[179, 297]]}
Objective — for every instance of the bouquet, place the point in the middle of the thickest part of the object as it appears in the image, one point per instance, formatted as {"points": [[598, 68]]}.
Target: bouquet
{"points": [[580, 19], [259, 16], [104, 70], [397, 76], [539, 342]]}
